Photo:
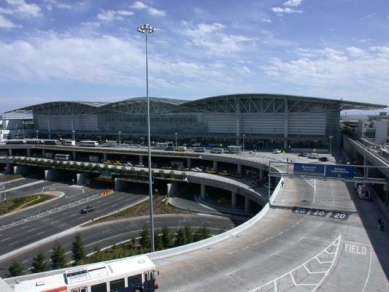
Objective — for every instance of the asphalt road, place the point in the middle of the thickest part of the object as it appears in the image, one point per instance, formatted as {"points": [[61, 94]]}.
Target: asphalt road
{"points": [[106, 234], [311, 239], [25, 227], [40, 226]]}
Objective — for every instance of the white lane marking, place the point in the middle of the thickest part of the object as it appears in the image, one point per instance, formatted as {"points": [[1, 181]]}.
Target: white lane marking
{"points": [[232, 272], [277, 252]]}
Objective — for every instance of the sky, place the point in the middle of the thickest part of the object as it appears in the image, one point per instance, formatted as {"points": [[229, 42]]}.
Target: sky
{"points": [[90, 50]]}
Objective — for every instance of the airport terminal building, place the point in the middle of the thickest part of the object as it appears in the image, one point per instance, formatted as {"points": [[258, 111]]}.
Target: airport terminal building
{"points": [[258, 120]]}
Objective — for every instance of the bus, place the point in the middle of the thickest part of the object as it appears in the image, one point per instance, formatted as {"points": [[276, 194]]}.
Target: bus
{"points": [[129, 274], [161, 145], [199, 149], [181, 148], [234, 149], [88, 143], [217, 150], [51, 142], [69, 143], [62, 156]]}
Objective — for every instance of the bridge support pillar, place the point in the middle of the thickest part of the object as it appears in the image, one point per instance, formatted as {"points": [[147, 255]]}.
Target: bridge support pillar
{"points": [[118, 185], [247, 205], [51, 174], [189, 163], [81, 178], [233, 200], [140, 159], [261, 174], [202, 192], [74, 155], [105, 156], [9, 168], [28, 152], [215, 165], [172, 189], [20, 169], [10, 152], [239, 169]]}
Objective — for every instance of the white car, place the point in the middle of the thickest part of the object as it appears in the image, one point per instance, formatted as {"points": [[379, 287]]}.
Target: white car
{"points": [[276, 151]]}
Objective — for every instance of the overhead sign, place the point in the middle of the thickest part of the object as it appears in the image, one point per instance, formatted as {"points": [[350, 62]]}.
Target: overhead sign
{"points": [[308, 169], [346, 171]]}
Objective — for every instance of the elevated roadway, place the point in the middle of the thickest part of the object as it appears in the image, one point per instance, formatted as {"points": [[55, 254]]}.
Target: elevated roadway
{"points": [[310, 239], [313, 236]]}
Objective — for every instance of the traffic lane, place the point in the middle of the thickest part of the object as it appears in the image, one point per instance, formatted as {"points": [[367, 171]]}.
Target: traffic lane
{"points": [[50, 224], [278, 244], [21, 182], [25, 190], [107, 233], [55, 203]]}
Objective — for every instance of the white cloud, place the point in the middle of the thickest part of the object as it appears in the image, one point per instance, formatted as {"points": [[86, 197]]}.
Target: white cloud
{"points": [[21, 9], [110, 15], [214, 39], [150, 10], [59, 5], [293, 3], [286, 10], [356, 52], [329, 68], [5, 23], [100, 60]]}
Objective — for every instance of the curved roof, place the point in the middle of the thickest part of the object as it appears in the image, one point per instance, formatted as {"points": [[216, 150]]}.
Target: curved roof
{"points": [[249, 102], [343, 104]]}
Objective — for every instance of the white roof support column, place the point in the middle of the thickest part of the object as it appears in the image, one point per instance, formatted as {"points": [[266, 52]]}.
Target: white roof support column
{"points": [[286, 123]]}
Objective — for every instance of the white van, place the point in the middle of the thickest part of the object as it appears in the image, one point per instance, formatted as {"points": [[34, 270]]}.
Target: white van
{"points": [[363, 192], [217, 150]]}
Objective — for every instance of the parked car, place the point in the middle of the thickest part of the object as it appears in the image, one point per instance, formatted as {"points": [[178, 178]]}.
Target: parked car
{"points": [[276, 151], [87, 209], [169, 148], [323, 159]]}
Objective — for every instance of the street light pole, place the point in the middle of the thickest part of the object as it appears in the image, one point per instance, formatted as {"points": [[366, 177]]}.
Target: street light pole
{"points": [[119, 137], [37, 134], [146, 29], [243, 141], [176, 139]]}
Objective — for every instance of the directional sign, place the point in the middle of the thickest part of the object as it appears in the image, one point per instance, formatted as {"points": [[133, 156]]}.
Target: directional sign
{"points": [[308, 169], [346, 171]]}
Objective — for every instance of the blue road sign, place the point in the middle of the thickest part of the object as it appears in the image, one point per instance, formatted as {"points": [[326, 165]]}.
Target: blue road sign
{"points": [[308, 169], [346, 171]]}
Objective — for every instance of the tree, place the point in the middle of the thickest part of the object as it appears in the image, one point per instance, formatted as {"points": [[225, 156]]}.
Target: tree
{"points": [[39, 263], [188, 234], [144, 240], [202, 233], [158, 240], [166, 237], [78, 249], [181, 237], [15, 269], [58, 258]]}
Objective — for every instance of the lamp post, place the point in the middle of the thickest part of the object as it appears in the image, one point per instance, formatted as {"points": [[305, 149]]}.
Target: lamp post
{"points": [[37, 134], [146, 29], [243, 141], [331, 143], [176, 139], [2, 191], [74, 135], [119, 137]]}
